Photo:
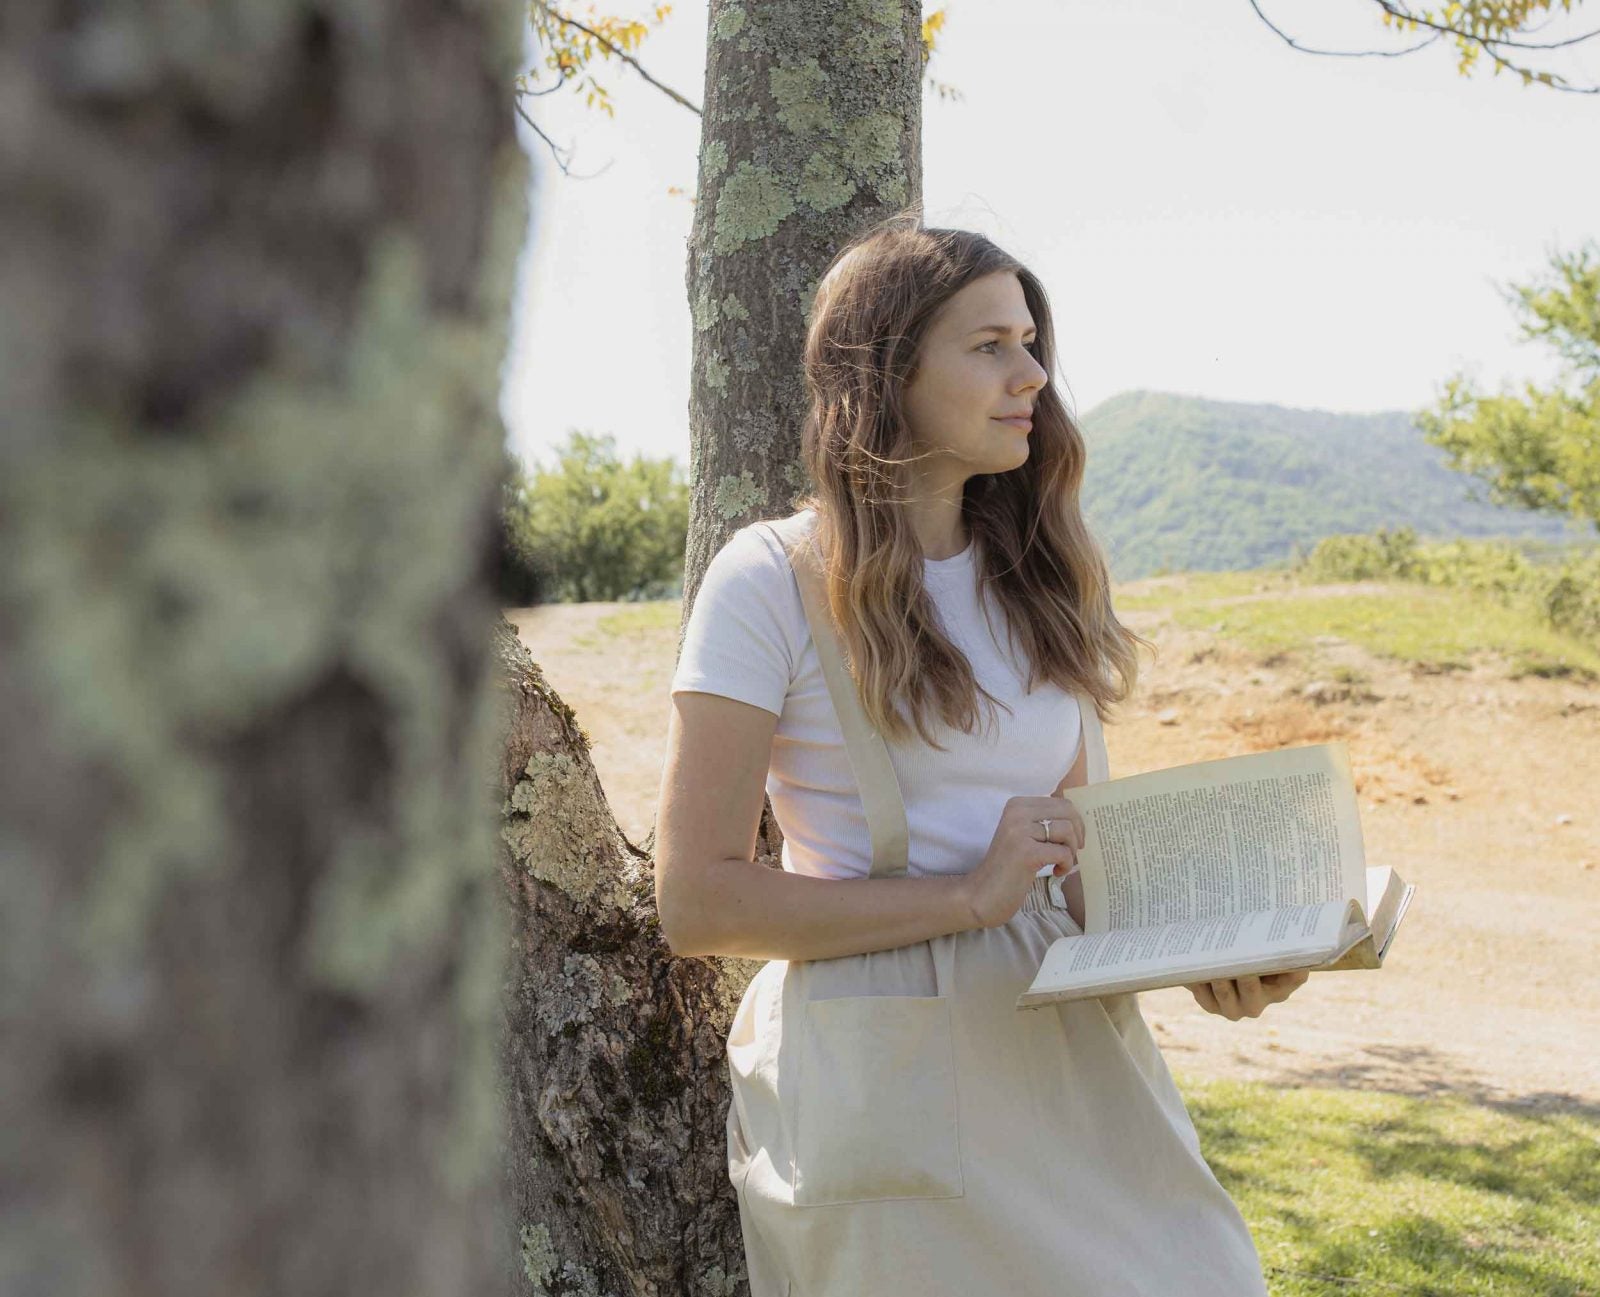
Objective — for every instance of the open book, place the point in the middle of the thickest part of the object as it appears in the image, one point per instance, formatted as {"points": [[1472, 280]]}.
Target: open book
{"points": [[1243, 865]]}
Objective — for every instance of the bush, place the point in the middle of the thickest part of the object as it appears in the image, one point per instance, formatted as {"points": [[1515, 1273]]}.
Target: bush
{"points": [[1562, 588], [595, 528]]}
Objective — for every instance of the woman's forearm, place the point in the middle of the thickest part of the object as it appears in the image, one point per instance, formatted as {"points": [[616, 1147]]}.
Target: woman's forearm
{"points": [[745, 909]]}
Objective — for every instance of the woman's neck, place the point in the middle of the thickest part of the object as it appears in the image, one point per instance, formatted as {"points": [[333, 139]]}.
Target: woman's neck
{"points": [[941, 528]]}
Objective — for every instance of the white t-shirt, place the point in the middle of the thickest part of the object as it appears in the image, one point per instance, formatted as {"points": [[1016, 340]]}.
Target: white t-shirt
{"points": [[748, 639]]}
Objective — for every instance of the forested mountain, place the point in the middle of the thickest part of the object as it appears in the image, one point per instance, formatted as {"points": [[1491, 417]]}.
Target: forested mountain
{"points": [[1178, 483]]}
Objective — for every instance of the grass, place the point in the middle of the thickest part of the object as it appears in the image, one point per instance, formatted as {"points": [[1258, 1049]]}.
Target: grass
{"points": [[1438, 629], [1433, 628], [647, 617], [642, 617], [1364, 1192]]}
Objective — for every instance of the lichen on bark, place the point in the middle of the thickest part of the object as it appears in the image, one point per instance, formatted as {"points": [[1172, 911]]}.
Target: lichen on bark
{"points": [[737, 495], [751, 205], [572, 849]]}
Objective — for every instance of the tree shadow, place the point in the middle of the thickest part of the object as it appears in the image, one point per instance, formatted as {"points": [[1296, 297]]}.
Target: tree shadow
{"points": [[1510, 1204], [1423, 1071]]}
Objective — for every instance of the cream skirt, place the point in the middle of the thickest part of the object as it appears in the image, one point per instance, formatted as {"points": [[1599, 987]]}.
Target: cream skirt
{"points": [[898, 1125]]}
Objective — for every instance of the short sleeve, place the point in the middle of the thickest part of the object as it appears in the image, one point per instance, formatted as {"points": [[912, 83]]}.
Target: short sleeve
{"points": [[746, 630]]}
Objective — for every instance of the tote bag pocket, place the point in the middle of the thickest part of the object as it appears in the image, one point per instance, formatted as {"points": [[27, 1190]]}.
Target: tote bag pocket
{"points": [[876, 1101]]}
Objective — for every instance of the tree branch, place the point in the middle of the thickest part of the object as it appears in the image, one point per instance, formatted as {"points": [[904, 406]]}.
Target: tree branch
{"points": [[622, 54], [1340, 54], [1446, 29], [555, 151], [1486, 43]]}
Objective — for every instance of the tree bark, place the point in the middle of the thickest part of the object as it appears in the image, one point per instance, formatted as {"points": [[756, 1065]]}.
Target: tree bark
{"points": [[812, 131], [614, 1048], [256, 260], [617, 1075]]}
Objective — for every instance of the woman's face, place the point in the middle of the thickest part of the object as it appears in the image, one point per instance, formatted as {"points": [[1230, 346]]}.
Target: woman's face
{"points": [[975, 368]]}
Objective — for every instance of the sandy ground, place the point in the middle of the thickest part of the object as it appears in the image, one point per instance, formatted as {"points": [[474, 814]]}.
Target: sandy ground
{"points": [[1482, 790]]}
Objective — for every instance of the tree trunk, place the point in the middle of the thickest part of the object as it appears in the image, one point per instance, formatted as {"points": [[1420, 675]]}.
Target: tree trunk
{"points": [[615, 1087], [617, 1073], [812, 132], [255, 261]]}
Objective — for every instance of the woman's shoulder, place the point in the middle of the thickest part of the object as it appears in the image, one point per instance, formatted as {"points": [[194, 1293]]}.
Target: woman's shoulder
{"points": [[759, 548], [747, 630]]}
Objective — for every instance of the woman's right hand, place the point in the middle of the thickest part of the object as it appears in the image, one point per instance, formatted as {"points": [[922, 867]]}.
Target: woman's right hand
{"points": [[998, 886]]}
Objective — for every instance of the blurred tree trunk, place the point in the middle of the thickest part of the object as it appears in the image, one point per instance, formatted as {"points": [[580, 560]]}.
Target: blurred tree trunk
{"points": [[255, 260], [618, 1078]]}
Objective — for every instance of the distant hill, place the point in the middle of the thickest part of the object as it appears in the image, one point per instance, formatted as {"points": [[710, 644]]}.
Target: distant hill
{"points": [[1178, 483]]}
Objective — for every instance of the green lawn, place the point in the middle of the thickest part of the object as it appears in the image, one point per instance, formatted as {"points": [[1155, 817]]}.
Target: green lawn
{"points": [[1435, 627], [646, 615], [1356, 1192]]}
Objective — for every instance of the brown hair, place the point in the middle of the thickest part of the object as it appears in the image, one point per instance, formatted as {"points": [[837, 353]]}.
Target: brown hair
{"points": [[1035, 553]]}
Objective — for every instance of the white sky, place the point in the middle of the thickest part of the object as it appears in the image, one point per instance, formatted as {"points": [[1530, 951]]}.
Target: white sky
{"points": [[1212, 212]]}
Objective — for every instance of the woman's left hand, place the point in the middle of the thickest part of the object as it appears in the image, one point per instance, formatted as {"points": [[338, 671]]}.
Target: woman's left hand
{"points": [[1246, 997]]}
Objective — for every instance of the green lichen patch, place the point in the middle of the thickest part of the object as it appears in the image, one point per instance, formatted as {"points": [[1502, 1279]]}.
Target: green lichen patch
{"points": [[872, 140], [751, 206], [799, 96], [824, 184], [891, 189], [716, 372], [733, 308], [539, 1258], [717, 1282], [736, 496], [875, 32], [565, 1001], [714, 160], [705, 309], [558, 829], [730, 22]]}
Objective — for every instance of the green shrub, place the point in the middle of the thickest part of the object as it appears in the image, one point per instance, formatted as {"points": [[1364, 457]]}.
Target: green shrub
{"points": [[595, 528], [1563, 588]]}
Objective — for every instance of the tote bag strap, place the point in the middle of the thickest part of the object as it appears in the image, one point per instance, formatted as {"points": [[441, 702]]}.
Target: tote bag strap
{"points": [[869, 756], [1094, 738]]}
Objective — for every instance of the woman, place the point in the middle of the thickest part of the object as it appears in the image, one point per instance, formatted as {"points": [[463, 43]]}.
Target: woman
{"points": [[897, 1124]]}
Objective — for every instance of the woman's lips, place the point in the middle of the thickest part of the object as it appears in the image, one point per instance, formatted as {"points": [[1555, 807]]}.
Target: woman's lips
{"points": [[1026, 425]]}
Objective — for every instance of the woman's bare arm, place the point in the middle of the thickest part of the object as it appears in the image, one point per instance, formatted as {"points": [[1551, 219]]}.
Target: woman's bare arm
{"points": [[713, 899]]}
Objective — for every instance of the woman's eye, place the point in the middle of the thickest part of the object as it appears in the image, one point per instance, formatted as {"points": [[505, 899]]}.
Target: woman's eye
{"points": [[1028, 346]]}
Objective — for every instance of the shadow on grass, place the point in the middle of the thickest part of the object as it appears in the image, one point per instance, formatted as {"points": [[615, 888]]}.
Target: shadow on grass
{"points": [[1425, 1072], [1423, 1258], [1355, 1192]]}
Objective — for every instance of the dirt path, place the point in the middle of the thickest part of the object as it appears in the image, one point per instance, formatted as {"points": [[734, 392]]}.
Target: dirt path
{"points": [[1482, 790]]}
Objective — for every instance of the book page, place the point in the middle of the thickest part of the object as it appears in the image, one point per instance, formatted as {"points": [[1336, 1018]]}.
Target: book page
{"points": [[1388, 897], [1231, 836], [1182, 951]]}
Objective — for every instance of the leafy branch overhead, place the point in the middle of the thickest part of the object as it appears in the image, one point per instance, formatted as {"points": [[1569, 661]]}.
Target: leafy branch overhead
{"points": [[1477, 27], [570, 46], [1492, 28]]}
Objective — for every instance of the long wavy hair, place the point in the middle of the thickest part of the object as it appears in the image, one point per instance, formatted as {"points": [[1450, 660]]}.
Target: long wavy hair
{"points": [[1036, 556]]}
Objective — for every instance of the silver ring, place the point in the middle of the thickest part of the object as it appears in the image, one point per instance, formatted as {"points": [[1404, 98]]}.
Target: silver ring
{"points": [[1047, 824]]}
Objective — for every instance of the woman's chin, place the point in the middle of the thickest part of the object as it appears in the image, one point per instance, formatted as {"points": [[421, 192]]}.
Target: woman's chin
{"points": [[1019, 454]]}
